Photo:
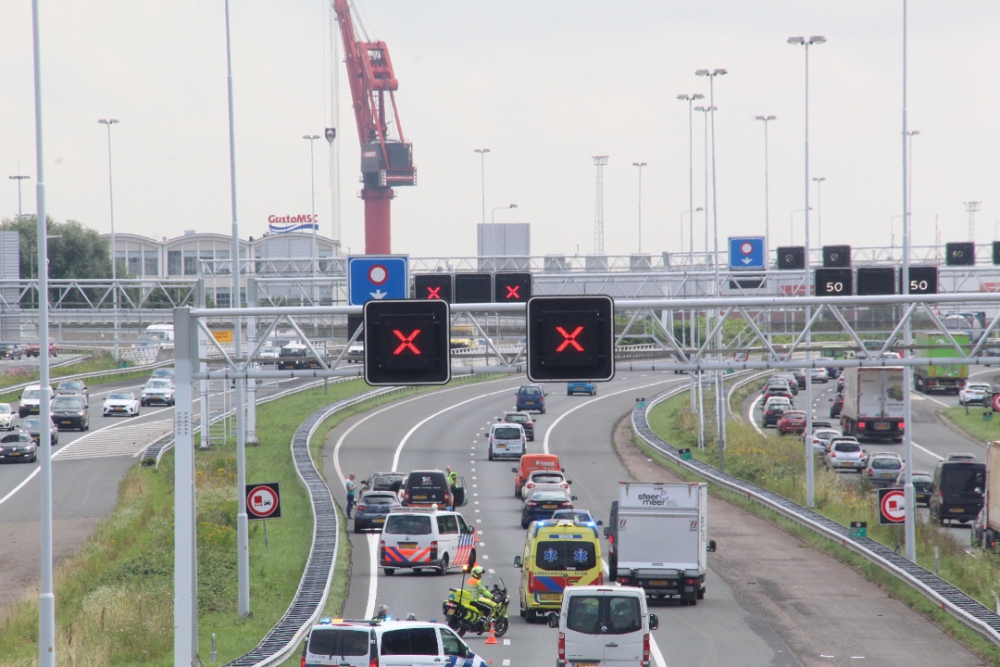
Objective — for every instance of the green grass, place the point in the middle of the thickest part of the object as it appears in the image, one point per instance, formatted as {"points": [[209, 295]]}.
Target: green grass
{"points": [[973, 423], [114, 597], [16, 375], [778, 464]]}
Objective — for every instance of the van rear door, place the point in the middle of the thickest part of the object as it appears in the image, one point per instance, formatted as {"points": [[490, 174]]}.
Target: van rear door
{"points": [[605, 627], [338, 645], [623, 624]]}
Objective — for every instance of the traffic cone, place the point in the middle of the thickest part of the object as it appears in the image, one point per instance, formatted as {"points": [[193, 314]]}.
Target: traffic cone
{"points": [[492, 639]]}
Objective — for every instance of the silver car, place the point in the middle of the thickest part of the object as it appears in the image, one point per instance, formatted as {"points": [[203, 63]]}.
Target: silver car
{"points": [[844, 454], [883, 467], [822, 437]]}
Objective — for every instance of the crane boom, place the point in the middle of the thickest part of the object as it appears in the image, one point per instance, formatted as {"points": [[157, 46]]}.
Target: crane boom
{"points": [[386, 157]]}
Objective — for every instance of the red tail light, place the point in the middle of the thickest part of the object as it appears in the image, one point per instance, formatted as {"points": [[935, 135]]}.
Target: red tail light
{"points": [[434, 550], [361, 506], [902, 426], [373, 662], [645, 647], [861, 424], [303, 663], [871, 473], [833, 454], [566, 504], [531, 503], [562, 645], [600, 579], [529, 485]]}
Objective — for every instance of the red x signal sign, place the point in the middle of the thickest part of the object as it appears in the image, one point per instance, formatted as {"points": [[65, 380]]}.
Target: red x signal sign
{"points": [[569, 339], [511, 287], [433, 292], [407, 341], [513, 291]]}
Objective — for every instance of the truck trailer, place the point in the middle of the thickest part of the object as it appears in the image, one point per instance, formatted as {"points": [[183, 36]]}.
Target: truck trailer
{"points": [[658, 537], [945, 378], [873, 403]]}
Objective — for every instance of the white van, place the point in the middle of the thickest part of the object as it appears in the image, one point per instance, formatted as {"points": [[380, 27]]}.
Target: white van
{"points": [[386, 643], [31, 400], [157, 335], [425, 538], [601, 625], [507, 441]]}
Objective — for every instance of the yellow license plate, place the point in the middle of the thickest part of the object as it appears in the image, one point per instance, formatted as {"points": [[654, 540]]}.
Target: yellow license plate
{"points": [[548, 507], [549, 597], [381, 520], [659, 583], [882, 426], [420, 497], [15, 453], [957, 510], [501, 446], [66, 421]]}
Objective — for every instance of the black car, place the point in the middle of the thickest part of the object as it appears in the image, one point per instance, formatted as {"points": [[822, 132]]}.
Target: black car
{"points": [[424, 488], [837, 406], [800, 378], [372, 508], [33, 425], [524, 419], [71, 412], [73, 388], [385, 481], [923, 482], [10, 351], [18, 446], [541, 503]]}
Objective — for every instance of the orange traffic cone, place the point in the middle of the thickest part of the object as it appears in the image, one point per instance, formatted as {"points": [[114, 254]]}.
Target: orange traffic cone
{"points": [[492, 639]]}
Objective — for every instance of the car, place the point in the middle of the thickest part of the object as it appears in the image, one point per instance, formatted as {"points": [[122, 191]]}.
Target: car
{"points": [[546, 478], [372, 508], [355, 353], [822, 438], [426, 538], [792, 421], [833, 372], [74, 388], [524, 419], [71, 412], [883, 467], [6, 417], [836, 406], [530, 463], [844, 454], [790, 379], [800, 378], [923, 484], [819, 375], [506, 441], [591, 616], [424, 488], [542, 502], [530, 397], [957, 491], [31, 399], [779, 382], [18, 446], [773, 410], [363, 643], [778, 390], [33, 427], [159, 391], [269, 351], [33, 349], [577, 516], [121, 403], [956, 456], [565, 553], [385, 481], [167, 373], [581, 388], [10, 351], [975, 393]]}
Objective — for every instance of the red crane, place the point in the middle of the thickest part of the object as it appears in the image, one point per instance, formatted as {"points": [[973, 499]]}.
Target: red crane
{"points": [[386, 158]]}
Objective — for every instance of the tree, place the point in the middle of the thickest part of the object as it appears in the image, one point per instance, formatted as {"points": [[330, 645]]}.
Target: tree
{"points": [[76, 253]]}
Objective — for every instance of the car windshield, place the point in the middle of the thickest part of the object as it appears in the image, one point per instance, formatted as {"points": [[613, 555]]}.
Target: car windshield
{"points": [[30, 423], [406, 524], [572, 515], [979, 387], [4, 409], [546, 496], [966, 479], [516, 419], [71, 386], [565, 555], [30, 393], [531, 391], [163, 373], [67, 404], [507, 433], [158, 384], [292, 352], [794, 414], [886, 463], [926, 479], [546, 478], [121, 396], [847, 447], [380, 499]]}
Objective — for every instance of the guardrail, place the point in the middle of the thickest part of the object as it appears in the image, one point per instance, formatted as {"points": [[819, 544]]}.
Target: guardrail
{"points": [[128, 370], [952, 600]]}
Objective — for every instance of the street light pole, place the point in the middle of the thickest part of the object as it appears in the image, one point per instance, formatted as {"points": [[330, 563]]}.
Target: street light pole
{"points": [[482, 177], [767, 201], [819, 207], [640, 165], [909, 170], [18, 177], [810, 482], [311, 138], [701, 411], [690, 99], [108, 122], [909, 497]]}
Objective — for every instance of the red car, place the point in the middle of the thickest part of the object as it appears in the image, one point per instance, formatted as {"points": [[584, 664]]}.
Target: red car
{"points": [[792, 421], [31, 350]]}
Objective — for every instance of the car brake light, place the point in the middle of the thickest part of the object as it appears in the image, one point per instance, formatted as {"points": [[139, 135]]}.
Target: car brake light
{"points": [[645, 647], [303, 663], [531, 503], [373, 662], [861, 424], [530, 485], [361, 506], [833, 454], [871, 473], [562, 645], [902, 425], [566, 504], [434, 550]]}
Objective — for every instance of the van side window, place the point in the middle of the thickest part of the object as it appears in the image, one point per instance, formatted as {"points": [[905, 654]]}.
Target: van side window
{"points": [[338, 641], [447, 525], [452, 644], [623, 615], [583, 614], [411, 641], [462, 527]]}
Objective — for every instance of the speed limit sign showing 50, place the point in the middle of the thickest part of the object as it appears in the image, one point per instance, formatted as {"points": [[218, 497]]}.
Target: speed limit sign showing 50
{"points": [[263, 501], [834, 282], [891, 508]]}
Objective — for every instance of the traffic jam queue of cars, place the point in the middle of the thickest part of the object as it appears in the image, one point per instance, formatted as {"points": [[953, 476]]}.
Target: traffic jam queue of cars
{"points": [[69, 405], [564, 578]]}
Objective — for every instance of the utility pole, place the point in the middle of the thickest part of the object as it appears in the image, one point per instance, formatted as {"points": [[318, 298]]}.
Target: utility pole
{"points": [[600, 161], [18, 177]]}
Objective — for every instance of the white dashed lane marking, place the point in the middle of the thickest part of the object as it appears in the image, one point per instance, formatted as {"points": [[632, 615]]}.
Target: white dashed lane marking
{"points": [[116, 441]]}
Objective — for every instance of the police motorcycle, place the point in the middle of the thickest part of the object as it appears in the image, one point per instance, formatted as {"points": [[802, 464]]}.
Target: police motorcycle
{"points": [[463, 616]]}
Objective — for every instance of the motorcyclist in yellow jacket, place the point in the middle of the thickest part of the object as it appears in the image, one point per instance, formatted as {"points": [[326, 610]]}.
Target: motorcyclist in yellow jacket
{"points": [[482, 599]]}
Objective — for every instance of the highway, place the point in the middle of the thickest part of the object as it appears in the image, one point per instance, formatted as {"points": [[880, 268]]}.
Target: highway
{"points": [[753, 613]]}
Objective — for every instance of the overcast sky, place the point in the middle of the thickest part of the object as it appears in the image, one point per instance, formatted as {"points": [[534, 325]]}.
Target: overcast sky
{"points": [[543, 85]]}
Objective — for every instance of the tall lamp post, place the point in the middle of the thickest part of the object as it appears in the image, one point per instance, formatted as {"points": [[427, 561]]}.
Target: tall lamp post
{"points": [[482, 177], [810, 482], [690, 99], [909, 497], [108, 122], [818, 180], [311, 138], [640, 165], [767, 201], [18, 177], [909, 171]]}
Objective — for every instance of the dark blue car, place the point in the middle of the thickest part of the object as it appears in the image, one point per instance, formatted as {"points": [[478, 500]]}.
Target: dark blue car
{"points": [[542, 503], [530, 397]]}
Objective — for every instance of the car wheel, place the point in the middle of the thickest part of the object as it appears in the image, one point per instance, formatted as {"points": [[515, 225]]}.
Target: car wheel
{"points": [[86, 426], [569, 393], [389, 571], [525, 524], [701, 593], [593, 393], [443, 570]]}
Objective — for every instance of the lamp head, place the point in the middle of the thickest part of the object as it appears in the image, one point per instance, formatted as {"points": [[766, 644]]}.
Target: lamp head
{"points": [[719, 72], [697, 96], [817, 39], [796, 40], [701, 72], [684, 97]]}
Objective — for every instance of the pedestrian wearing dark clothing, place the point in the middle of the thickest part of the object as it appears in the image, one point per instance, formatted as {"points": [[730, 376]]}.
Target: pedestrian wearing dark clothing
{"points": [[351, 487]]}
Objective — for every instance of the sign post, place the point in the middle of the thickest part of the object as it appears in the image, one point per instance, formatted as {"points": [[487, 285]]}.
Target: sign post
{"points": [[859, 530], [891, 508], [263, 501]]}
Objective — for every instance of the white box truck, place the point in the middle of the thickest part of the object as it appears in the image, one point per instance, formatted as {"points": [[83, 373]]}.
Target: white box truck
{"points": [[873, 403], [658, 535]]}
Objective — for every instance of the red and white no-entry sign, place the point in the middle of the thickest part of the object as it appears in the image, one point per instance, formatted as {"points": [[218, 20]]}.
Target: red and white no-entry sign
{"points": [[996, 402], [263, 501], [891, 508], [378, 274]]}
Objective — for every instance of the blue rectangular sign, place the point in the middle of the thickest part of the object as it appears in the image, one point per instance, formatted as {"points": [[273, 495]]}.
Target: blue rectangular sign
{"points": [[377, 277], [746, 252]]}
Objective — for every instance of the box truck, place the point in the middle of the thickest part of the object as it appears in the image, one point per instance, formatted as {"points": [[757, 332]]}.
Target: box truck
{"points": [[948, 378], [873, 403]]}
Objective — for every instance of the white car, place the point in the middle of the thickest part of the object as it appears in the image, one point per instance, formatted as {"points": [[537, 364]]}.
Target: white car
{"points": [[157, 391], [975, 392], [6, 417], [845, 454], [819, 375], [822, 437], [121, 403], [31, 400], [506, 441]]}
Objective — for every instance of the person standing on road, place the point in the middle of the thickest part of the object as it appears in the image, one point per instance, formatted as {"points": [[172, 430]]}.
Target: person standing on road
{"points": [[457, 494], [351, 487]]}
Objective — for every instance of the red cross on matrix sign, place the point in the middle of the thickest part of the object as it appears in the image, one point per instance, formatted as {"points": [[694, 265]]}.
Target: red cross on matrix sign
{"points": [[570, 339]]}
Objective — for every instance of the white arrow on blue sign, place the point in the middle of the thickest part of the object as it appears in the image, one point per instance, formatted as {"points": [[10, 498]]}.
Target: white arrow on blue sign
{"points": [[746, 252], [377, 277]]}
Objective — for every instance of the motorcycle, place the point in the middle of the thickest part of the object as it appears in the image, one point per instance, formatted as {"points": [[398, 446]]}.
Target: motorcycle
{"points": [[462, 616]]}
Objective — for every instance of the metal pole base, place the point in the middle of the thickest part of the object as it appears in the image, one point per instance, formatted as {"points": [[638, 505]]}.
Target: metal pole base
{"points": [[243, 562]]}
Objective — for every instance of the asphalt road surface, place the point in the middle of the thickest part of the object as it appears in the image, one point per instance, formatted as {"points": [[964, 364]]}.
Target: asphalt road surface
{"points": [[728, 627]]}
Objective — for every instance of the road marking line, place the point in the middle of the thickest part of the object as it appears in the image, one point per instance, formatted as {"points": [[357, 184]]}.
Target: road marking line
{"points": [[927, 451], [931, 398], [492, 571]]}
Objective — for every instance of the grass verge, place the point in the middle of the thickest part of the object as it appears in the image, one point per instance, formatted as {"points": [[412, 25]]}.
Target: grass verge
{"points": [[99, 362], [114, 596], [778, 464], [972, 423]]}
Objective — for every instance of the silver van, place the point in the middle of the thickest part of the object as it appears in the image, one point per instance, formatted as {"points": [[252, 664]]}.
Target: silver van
{"points": [[603, 625], [346, 643]]}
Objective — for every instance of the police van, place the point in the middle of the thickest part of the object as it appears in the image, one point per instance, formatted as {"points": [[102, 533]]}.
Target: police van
{"points": [[425, 538], [347, 643]]}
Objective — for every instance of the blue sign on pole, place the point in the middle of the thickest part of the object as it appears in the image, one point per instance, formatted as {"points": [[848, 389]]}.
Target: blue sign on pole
{"points": [[746, 252], [377, 277]]}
